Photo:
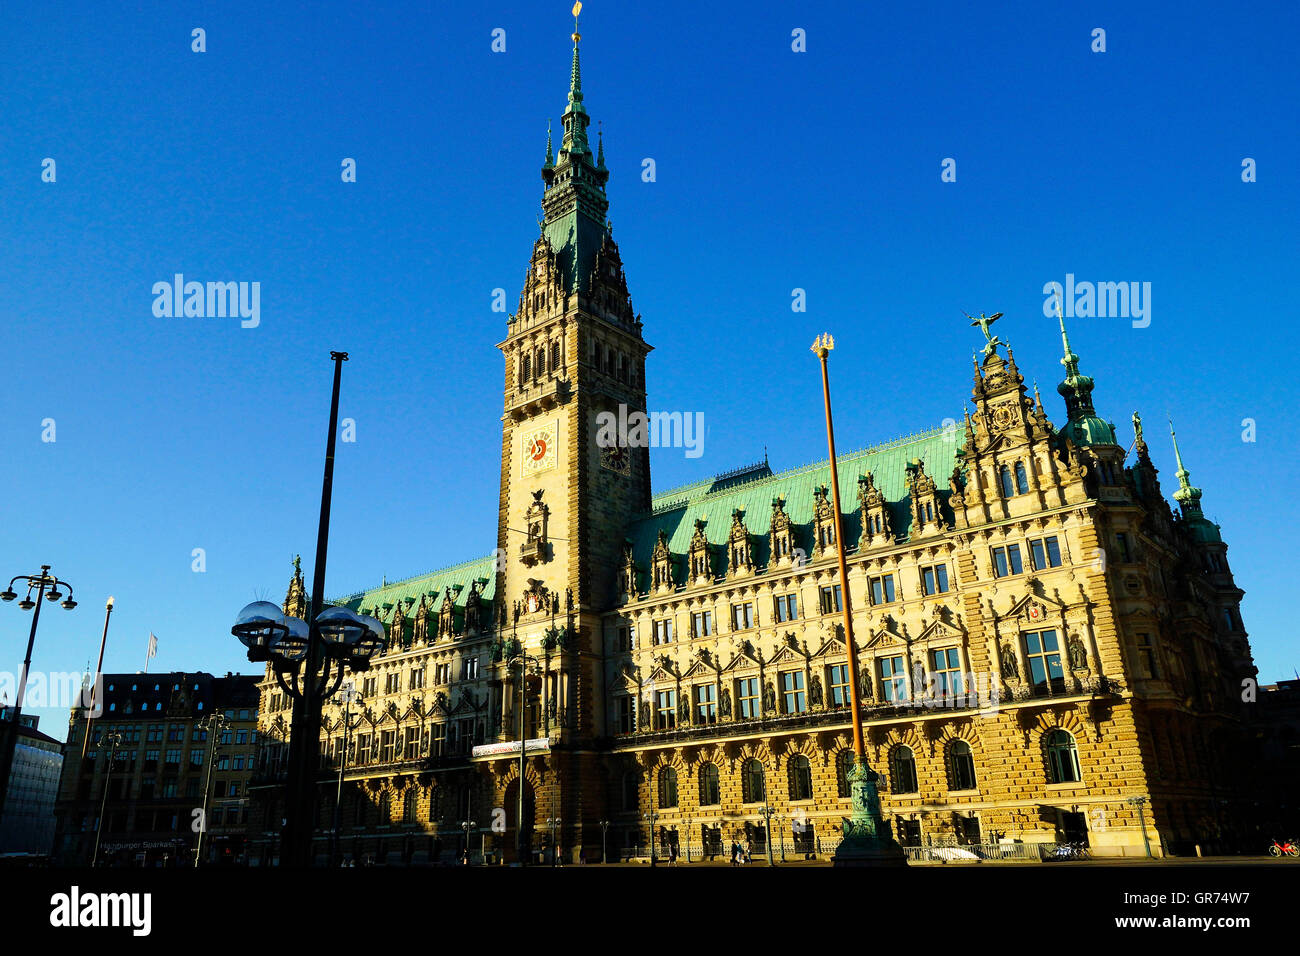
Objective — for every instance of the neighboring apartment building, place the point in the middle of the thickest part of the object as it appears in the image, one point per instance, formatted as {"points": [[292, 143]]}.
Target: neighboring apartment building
{"points": [[174, 739], [27, 826]]}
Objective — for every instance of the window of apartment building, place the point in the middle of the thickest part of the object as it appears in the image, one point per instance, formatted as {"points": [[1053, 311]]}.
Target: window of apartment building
{"points": [[800, 778], [1022, 479], [227, 737], [1123, 548], [961, 766], [392, 683], [742, 616], [701, 624], [442, 673], [945, 668], [175, 734], [1006, 560], [417, 678], [412, 749], [1062, 757], [469, 668], [663, 631], [832, 599], [710, 785], [150, 759], [793, 698], [893, 678], [838, 682], [386, 741], [438, 742], [1045, 553], [1147, 656], [625, 713], [747, 698], [882, 589], [155, 734], [934, 579], [665, 709], [1004, 482], [1043, 657], [706, 703], [174, 757], [363, 748], [787, 608], [369, 686], [625, 639], [902, 768]]}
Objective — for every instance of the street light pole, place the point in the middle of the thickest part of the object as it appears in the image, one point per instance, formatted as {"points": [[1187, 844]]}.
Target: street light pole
{"points": [[1140, 803], [114, 740], [651, 816], [522, 660], [347, 694], [604, 827], [864, 840], [212, 724]]}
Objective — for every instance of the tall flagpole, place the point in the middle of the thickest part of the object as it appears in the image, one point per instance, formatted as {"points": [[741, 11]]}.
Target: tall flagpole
{"points": [[865, 842], [94, 684]]}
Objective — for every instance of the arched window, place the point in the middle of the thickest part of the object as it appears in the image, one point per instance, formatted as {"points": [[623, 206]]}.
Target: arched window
{"points": [[800, 778], [1004, 479], [629, 790], [1062, 757], [710, 787], [410, 805], [843, 764], [1022, 480], [902, 769], [667, 788], [752, 785], [961, 766]]}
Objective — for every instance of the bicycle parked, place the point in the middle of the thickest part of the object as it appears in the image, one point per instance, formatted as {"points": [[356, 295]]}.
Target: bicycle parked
{"points": [[1285, 848]]}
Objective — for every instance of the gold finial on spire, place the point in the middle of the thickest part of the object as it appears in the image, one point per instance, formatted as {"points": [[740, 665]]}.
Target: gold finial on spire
{"points": [[577, 9]]}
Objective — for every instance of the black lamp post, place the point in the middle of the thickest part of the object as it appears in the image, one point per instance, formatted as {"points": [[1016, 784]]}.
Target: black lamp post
{"points": [[46, 586], [309, 659]]}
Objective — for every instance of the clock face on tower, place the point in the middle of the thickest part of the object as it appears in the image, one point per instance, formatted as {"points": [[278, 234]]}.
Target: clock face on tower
{"points": [[540, 449], [616, 459]]}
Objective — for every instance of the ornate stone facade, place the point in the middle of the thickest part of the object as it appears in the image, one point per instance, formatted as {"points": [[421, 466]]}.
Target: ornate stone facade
{"points": [[1043, 640]]}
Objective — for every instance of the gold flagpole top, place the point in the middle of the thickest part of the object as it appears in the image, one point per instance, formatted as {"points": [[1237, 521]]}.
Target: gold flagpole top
{"points": [[823, 344]]}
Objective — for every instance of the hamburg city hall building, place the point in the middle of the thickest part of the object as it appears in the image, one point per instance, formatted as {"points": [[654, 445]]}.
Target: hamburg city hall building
{"points": [[1048, 651]]}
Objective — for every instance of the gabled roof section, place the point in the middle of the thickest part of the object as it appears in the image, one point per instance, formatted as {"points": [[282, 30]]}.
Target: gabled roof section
{"points": [[434, 585], [752, 490]]}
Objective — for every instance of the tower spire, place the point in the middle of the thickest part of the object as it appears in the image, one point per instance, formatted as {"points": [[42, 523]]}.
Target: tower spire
{"points": [[1085, 427], [1188, 496]]}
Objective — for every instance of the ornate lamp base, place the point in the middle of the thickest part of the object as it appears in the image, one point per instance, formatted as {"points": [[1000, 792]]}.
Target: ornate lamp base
{"points": [[866, 842]]}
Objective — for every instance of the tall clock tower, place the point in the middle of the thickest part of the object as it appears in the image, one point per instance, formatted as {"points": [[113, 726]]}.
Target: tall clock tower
{"points": [[573, 350]]}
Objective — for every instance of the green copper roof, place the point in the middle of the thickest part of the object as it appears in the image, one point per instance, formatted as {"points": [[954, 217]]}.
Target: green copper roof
{"points": [[676, 510], [433, 584]]}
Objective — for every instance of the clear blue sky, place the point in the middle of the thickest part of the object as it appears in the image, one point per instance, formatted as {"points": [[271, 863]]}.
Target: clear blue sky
{"points": [[775, 170]]}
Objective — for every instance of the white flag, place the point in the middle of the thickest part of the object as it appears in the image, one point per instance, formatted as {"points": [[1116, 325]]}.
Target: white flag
{"points": [[153, 647]]}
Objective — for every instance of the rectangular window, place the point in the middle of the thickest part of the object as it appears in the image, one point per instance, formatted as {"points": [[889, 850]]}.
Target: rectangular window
{"points": [[701, 623], [625, 639], [174, 757], [1045, 553], [882, 589], [469, 668], [839, 685], [666, 709], [787, 608], [832, 600], [386, 742], [369, 686], [934, 579], [742, 616], [1007, 561], [945, 667], [417, 678], [706, 703], [1147, 656], [625, 714], [1044, 660], [1121, 543], [792, 692], [663, 631], [893, 679], [747, 698], [412, 749], [392, 683]]}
